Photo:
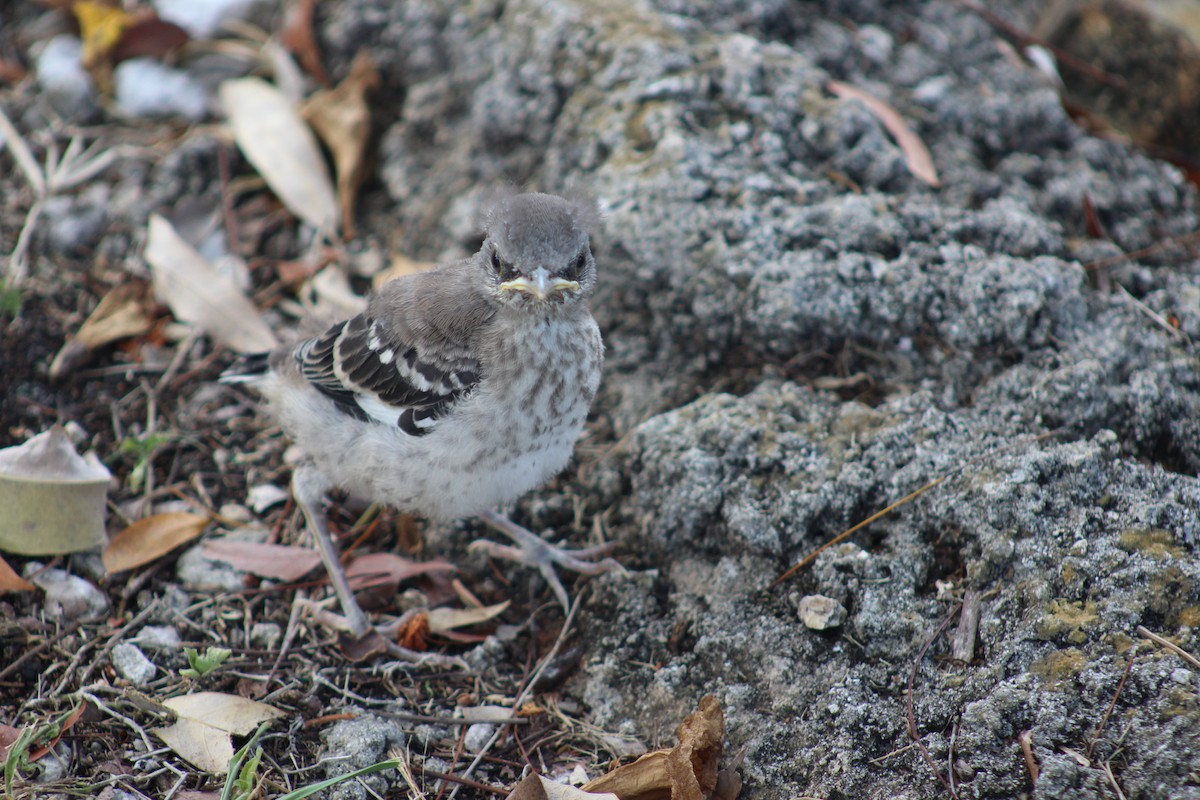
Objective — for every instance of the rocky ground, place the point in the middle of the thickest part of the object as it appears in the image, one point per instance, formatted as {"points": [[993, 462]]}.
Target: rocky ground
{"points": [[800, 333]]}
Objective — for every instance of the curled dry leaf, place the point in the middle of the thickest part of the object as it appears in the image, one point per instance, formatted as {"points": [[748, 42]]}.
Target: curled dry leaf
{"points": [[150, 538], [916, 154], [298, 37], [537, 787], [342, 118], [282, 148], [197, 293], [120, 314], [206, 721], [10, 581], [53, 498], [688, 771]]}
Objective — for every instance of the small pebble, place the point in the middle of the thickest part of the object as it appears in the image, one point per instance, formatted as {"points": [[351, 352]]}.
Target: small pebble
{"points": [[147, 88], [477, 736], [821, 613], [67, 596], [159, 637], [132, 665]]}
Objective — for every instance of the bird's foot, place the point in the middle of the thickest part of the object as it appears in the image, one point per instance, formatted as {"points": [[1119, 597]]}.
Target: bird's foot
{"points": [[309, 488], [535, 551]]}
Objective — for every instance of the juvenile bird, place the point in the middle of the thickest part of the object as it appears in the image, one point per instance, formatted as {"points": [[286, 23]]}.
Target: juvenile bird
{"points": [[456, 391]]}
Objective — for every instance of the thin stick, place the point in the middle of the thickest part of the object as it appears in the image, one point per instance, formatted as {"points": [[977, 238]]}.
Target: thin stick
{"points": [[1113, 704], [1025, 739], [912, 717], [525, 692], [1176, 649], [811, 557]]}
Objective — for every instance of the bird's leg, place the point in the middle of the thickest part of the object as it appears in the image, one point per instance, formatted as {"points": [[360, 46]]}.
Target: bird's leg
{"points": [[535, 551], [309, 487]]}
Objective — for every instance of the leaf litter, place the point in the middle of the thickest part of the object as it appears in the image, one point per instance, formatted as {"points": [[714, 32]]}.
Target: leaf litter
{"points": [[166, 382]]}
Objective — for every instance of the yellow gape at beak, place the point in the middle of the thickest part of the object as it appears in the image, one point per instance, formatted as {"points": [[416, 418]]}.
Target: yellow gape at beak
{"points": [[540, 284]]}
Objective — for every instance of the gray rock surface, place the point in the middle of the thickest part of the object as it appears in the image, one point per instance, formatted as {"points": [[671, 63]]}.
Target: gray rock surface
{"points": [[800, 333], [763, 237]]}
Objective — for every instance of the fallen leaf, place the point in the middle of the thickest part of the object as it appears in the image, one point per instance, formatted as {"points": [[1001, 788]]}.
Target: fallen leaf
{"points": [[150, 37], [282, 148], [688, 771], [916, 154], [120, 314], [298, 37], [53, 498], [101, 26], [334, 298], [401, 265], [206, 721], [342, 118], [538, 787], [693, 763], [150, 538], [61, 726], [198, 294], [381, 569], [10, 581], [445, 619], [275, 561], [11, 72]]}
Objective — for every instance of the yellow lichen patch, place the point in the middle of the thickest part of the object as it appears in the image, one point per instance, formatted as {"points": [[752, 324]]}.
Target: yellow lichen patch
{"points": [[1189, 617], [1120, 643], [1067, 619], [1169, 592], [1153, 542], [1060, 667]]}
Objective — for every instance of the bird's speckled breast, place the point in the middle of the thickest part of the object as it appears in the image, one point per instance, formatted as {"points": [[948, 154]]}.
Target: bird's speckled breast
{"points": [[515, 431]]}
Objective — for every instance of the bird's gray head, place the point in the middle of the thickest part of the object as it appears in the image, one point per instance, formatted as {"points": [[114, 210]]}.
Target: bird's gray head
{"points": [[536, 255]]}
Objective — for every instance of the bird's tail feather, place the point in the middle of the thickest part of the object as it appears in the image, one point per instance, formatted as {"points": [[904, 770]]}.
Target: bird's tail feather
{"points": [[249, 367]]}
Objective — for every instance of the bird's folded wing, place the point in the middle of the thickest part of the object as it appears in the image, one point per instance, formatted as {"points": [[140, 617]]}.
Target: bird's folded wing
{"points": [[379, 368]]}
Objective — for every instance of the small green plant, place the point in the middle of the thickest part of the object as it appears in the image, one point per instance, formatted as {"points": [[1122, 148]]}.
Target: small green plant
{"points": [[141, 449], [10, 300], [201, 665], [242, 780], [18, 754]]}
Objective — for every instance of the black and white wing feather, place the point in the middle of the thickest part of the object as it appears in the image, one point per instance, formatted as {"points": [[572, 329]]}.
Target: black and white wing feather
{"points": [[377, 369]]}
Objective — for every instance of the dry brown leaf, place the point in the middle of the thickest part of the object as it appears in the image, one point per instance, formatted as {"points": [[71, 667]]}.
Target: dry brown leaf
{"points": [[282, 149], [688, 771], [445, 619], [276, 561], [401, 265], [120, 314], [53, 498], [916, 154], [150, 37], [197, 293], [693, 762], [380, 569], [206, 720], [537, 787], [342, 118], [299, 39], [10, 581], [150, 538]]}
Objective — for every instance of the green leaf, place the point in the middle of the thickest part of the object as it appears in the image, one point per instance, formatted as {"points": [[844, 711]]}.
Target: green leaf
{"points": [[201, 665]]}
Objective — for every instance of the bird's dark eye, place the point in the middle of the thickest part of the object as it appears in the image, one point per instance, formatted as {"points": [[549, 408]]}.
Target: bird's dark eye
{"points": [[573, 272], [504, 270]]}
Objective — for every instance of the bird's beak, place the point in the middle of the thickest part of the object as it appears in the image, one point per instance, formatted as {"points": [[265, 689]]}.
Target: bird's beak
{"points": [[540, 284]]}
